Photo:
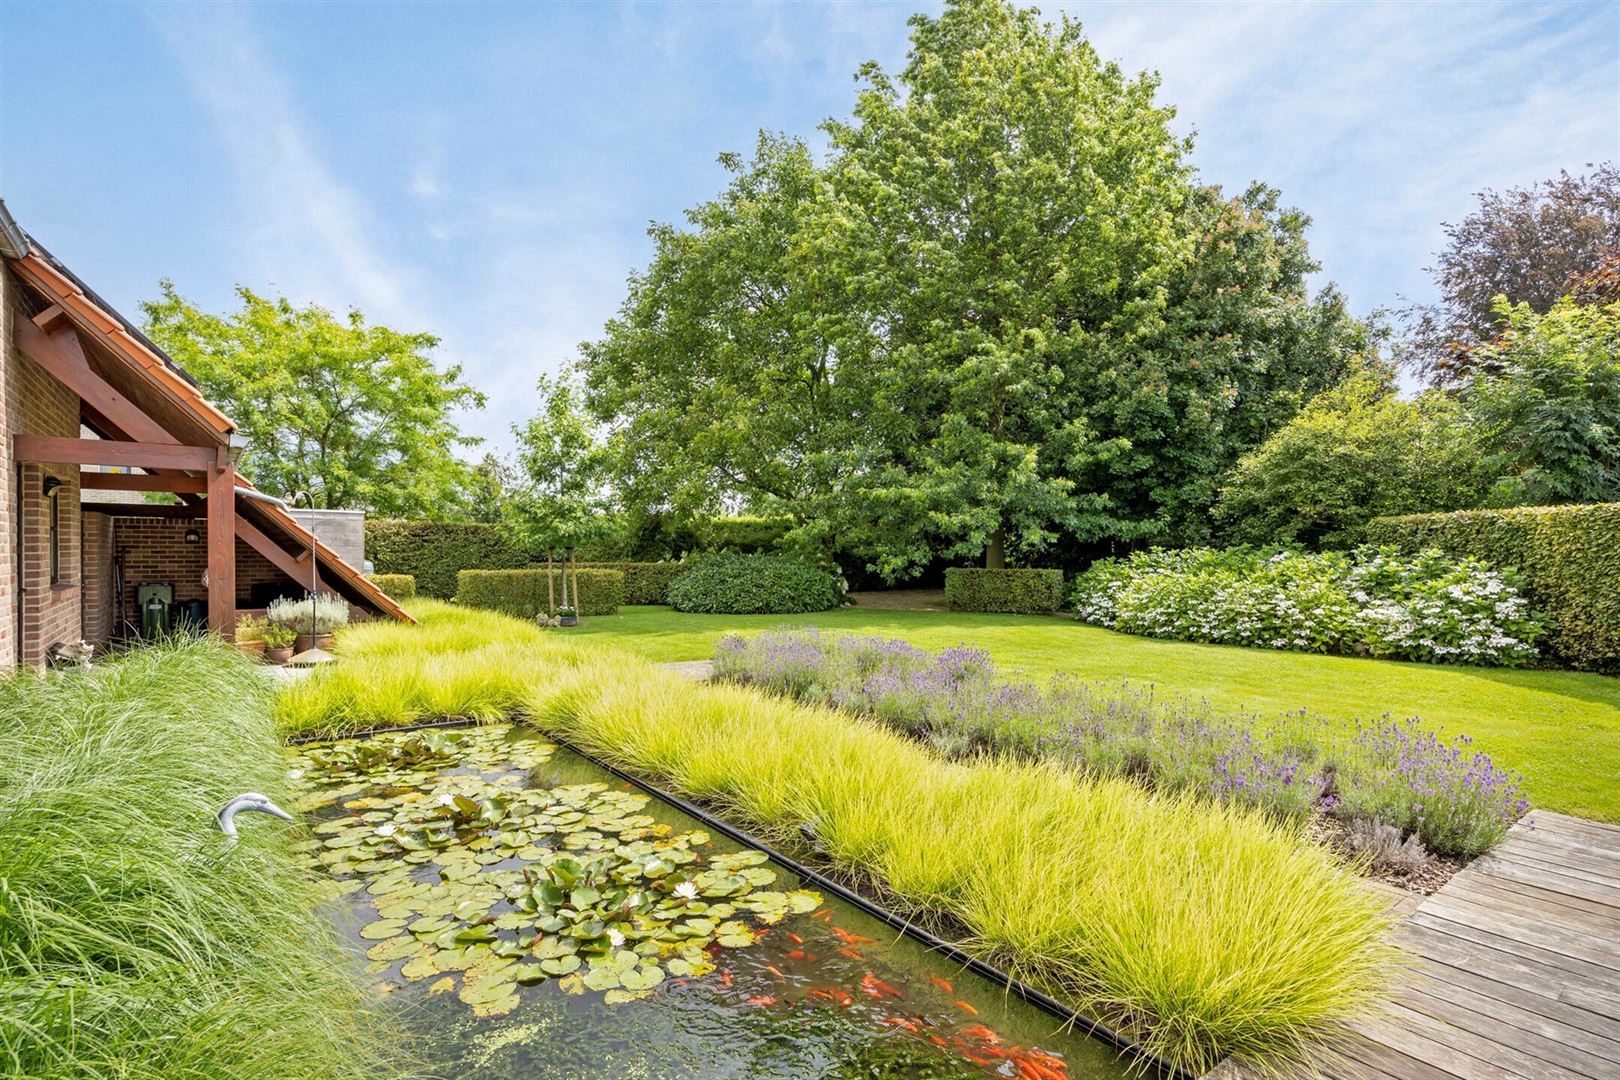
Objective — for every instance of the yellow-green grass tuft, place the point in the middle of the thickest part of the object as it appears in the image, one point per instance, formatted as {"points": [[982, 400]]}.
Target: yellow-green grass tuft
{"points": [[133, 943]]}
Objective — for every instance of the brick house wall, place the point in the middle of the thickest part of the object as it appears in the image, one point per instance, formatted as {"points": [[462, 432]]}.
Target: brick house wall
{"points": [[155, 549], [33, 403]]}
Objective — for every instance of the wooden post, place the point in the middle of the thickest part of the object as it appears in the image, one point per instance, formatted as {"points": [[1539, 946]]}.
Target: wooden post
{"points": [[574, 563], [221, 506]]}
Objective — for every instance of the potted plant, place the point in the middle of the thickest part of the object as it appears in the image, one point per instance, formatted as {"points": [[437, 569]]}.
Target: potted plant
{"points": [[313, 619], [567, 616], [278, 643], [250, 635]]}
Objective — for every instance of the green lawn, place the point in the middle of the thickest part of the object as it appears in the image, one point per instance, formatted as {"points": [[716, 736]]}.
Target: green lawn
{"points": [[1561, 729]]}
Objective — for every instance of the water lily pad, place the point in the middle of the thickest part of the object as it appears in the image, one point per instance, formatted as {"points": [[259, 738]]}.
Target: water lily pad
{"points": [[383, 928], [560, 965], [620, 997], [601, 978], [420, 967]]}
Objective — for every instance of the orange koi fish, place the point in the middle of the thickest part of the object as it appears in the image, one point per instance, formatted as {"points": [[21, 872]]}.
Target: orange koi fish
{"points": [[872, 986], [965, 1007], [852, 954], [795, 954], [941, 983], [764, 1000], [725, 977], [795, 938], [851, 939], [900, 1022], [825, 915], [774, 970], [979, 1031]]}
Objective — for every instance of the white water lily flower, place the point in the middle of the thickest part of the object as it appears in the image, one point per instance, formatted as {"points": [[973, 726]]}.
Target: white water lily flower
{"points": [[616, 938], [686, 890], [387, 828], [446, 799]]}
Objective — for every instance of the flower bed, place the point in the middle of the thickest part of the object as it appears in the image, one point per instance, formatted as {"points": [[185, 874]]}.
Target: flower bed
{"points": [[1449, 795], [1429, 606]]}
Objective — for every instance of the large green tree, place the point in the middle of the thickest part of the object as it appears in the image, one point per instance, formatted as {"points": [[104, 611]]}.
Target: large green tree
{"points": [[1001, 315], [1357, 451], [1546, 396], [356, 415], [564, 500]]}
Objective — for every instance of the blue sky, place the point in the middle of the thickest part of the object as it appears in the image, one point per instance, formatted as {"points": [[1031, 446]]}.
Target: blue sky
{"points": [[487, 172]]}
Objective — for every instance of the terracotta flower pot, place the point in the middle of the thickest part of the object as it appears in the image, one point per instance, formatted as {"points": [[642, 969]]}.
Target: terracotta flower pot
{"points": [[278, 655], [252, 648], [304, 642]]}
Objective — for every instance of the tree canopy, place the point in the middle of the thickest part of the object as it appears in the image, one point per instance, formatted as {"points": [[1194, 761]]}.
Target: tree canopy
{"points": [[356, 415], [564, 501], [1529, 244], [1001, 316]]}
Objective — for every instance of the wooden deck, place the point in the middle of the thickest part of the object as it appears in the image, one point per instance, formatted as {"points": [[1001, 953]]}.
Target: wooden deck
{"points": [[1518, 969]]}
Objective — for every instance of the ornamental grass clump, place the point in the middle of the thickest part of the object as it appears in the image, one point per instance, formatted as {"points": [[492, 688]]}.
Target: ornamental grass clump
{"points": [[133, 942], [1429, 606], [1201, 930]]}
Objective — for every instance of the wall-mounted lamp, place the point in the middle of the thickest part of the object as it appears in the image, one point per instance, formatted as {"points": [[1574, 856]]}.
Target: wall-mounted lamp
{"points": [[193, 535], [50, 486]]}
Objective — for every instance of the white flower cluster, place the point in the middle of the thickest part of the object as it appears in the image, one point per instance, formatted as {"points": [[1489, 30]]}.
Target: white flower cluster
{"points": [[1376, 602]]}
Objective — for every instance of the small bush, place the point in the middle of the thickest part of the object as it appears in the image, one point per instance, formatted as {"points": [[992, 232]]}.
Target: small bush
{"points": [[525, 593], [435, 551], [754, 584], [644, 582], [1567, 556], [1374, 602], [1020, 592], [326, 614], [397, 586]]}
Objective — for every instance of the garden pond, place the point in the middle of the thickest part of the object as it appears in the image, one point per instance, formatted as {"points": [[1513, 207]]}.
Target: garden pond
{"points": [[525, 913]]}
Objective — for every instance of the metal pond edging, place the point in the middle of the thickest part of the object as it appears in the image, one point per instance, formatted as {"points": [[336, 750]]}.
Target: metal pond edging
{"points": [[1072, 1017]]}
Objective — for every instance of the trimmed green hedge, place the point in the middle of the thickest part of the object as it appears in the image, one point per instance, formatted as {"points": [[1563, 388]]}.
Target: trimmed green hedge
{"points": [[435, 551], [397, 586], [1569, 557], [754, 585], [1014, 592], [644, 582], [524, 592]]}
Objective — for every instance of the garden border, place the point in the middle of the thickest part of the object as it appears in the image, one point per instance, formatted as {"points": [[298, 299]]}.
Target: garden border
{"points": [[1070, 1017]]}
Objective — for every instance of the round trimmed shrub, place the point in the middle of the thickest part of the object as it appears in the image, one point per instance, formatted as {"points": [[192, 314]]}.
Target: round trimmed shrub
{"points": [[754, 585]]}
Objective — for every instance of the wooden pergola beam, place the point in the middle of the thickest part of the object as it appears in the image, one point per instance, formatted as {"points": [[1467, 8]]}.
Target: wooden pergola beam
{"points": [[221, 506], [103, 481], [61, 354], [176, 511], [296, 568], [141, 455]]}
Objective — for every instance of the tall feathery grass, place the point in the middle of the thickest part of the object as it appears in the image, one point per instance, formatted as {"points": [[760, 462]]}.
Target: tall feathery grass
{"points": [[1202, 931], [133, 944]]}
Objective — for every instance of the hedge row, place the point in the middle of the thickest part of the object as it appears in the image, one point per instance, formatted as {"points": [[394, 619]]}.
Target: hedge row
{"points": [[644, 582], [397, 586], [1568, 556], [434, 552], [525, 593], [754, 585], [1023, 592]]}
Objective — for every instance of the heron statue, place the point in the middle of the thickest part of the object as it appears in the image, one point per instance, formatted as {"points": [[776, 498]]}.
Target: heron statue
{"points": [[250, 800]]}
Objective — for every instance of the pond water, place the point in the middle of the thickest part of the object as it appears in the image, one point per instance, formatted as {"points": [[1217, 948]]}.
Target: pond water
{"points": [[526, 914]]}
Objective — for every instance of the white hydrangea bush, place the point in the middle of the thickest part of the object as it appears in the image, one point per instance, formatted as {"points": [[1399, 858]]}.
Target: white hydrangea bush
{"points": [[1375, 601]]}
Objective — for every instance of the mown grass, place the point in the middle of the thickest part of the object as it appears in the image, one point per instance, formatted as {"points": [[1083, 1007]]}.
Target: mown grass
{"points": [[133, 944], [1203, 931], [1561, 729]]}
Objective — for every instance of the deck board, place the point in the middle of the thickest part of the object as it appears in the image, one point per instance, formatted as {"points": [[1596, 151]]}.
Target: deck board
{"points": [[1516, 972]]}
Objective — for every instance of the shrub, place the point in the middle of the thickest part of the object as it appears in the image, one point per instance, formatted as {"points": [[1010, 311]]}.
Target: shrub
{"points": [[525, 593], [435, 551], [644, 582], [1355, 451], [133, 943], [397, 586], [325, 614], [1374, 602], [251, 628], [1026, 592], [754, 584], [1567, 556]]}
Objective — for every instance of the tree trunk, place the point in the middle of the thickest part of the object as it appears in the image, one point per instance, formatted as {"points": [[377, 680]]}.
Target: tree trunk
{"points": [[551, 586], [574, 563], [995, 554]]}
